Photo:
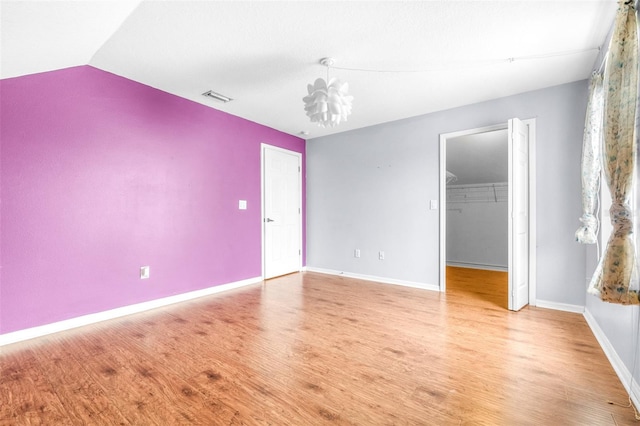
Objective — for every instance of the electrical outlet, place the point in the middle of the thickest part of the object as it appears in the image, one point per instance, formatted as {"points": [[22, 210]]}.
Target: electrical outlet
{"points": [[144, 272], [381, 255], [356, 253]]}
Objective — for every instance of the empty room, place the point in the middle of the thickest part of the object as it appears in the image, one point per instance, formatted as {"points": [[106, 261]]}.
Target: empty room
{"points": [[318, 212]]}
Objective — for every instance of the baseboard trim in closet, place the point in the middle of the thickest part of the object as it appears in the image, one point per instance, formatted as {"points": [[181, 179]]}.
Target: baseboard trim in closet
{"points": [[478, 266]]}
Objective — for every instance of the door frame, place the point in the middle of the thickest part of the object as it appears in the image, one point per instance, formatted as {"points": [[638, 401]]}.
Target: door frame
{"points": [[263, 148], [531, 124]]}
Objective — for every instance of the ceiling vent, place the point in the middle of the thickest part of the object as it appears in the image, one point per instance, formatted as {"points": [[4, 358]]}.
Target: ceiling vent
{"points": [[217, 96]]}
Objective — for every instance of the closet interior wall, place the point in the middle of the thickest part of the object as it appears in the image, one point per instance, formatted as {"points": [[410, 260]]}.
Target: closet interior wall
{"points": [[477, 225]]}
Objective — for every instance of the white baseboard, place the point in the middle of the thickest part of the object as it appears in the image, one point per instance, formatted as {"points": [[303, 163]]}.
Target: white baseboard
{"points": [[578, 309], [479, 266], [621, 370], [382, 280], [31, 333]]}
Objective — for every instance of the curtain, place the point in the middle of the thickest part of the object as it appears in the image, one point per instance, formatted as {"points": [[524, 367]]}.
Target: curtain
{"points": [[591, 162], [615, 279]]}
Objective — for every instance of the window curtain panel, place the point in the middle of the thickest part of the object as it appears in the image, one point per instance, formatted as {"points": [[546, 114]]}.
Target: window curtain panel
{"points": [[615, 279], [591, 162]]}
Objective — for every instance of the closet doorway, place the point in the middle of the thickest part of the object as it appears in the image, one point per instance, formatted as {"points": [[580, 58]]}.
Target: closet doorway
{"points": [[477, 216], [487, 226]]}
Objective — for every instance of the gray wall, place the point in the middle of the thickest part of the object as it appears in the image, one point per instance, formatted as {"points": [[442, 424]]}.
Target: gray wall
{"points": [[619, 323], [370, 189], [477, 233]]}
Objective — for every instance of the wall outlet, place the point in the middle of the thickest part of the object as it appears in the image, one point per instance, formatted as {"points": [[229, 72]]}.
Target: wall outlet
{"points": [[381, 255], [144, 272], [356, 253]]}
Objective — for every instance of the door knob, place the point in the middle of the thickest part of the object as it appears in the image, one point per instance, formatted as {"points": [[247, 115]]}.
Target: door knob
{"points": [[269, 220]]}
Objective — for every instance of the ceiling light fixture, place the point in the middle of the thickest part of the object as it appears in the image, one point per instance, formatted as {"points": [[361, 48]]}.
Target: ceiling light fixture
{"points": [[328, 103], [217, 96]]}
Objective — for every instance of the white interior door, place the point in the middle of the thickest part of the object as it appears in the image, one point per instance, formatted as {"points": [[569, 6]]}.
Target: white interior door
{"points": [[282, 211], [518, 214]]}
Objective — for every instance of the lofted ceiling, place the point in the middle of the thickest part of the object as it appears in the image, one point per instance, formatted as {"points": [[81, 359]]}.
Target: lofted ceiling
{"points": [[405, 58]]}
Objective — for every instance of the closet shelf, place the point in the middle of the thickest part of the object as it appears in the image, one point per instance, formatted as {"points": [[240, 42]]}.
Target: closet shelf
{"points": [[478, 193]]}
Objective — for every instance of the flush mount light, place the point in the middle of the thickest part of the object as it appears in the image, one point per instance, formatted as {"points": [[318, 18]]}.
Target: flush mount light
{"points": [[328, 102], [217, 96]]}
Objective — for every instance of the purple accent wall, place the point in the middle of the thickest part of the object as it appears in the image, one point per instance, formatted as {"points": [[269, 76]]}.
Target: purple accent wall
{"points": [[101, 175]]}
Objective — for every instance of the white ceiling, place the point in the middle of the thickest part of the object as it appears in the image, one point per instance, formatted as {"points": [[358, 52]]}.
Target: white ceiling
{"points": [[41, 36], [479, 158], [264, 53]]}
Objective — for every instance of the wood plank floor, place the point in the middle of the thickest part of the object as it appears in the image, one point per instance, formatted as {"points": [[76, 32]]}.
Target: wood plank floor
{"points": [[312, 349], [479, 285]]}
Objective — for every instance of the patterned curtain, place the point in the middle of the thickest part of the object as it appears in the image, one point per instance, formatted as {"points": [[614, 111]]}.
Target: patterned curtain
{"points": [[591, 162], [615, 279]]}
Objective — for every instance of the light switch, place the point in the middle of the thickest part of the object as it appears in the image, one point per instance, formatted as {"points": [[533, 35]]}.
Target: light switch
{"points": [[144, 272], [242, 204], [433, 205]]}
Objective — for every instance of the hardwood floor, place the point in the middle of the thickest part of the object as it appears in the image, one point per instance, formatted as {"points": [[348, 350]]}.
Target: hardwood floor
{"points": [[309, 349], [479, 285]]}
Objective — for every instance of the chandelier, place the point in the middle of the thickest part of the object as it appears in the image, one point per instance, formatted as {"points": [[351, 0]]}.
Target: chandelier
{"points": [[328, 103]]}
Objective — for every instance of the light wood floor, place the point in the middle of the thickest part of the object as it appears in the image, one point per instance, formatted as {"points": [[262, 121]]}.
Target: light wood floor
{"points": [[481, 286], [312, 349]]}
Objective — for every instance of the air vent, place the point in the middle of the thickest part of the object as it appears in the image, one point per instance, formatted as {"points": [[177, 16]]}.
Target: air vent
{"points": [[217, 96]]}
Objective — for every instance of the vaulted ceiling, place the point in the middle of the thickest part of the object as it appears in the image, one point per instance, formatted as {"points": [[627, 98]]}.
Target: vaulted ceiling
{"points": [[404, 58]]}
